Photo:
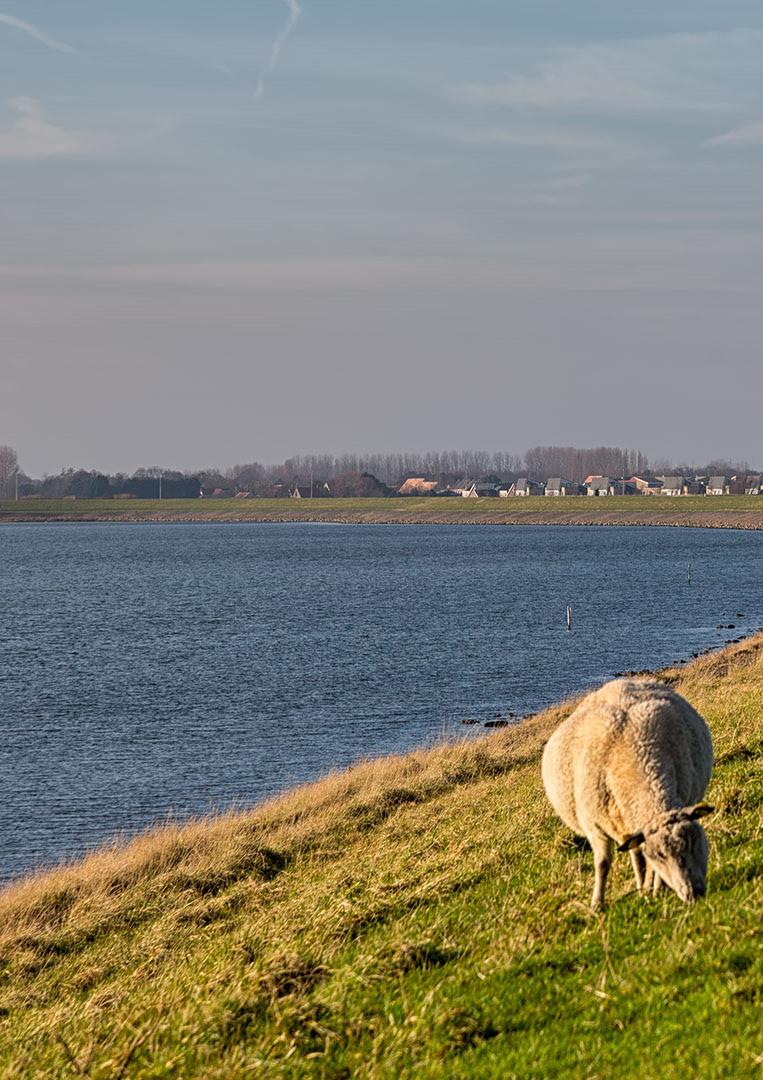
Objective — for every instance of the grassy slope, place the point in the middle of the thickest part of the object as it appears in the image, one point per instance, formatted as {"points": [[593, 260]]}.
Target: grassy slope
{"points": [[417, 916], [737, 511]]}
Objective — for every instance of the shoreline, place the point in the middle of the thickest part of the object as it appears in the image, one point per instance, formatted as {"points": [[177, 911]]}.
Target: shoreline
{"points": [[720, 512], [730, 522], [466, 732]]}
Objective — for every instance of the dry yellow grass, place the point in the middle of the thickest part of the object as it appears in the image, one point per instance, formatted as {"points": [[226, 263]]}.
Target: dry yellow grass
{"points": [[210, 853], [421, 915]]}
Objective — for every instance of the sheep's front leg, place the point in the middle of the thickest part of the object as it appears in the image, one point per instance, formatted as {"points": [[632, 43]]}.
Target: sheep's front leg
{"points": [[602, 855], [648, 880], [652, 881], [639, 868]]}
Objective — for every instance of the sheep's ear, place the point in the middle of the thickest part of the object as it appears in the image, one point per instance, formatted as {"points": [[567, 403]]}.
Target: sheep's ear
{"points": [[698, 811], [633, 841]]}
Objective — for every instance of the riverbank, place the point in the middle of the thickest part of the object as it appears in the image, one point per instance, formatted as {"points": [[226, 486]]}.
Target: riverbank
{"points": [[423, 915], [718, 512]]}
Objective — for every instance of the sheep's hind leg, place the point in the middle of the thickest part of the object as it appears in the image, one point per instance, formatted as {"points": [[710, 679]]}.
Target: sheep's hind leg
{"points": [[602, 854], [639, 868]]}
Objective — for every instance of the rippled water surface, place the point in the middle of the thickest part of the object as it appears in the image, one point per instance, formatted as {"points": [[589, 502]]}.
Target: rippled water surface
{"points": [[155, 669]]}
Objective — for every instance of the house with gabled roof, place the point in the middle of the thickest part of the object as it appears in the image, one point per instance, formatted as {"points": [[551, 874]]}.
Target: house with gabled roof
{"points": [[717, 485], [475, 489], [557, 486], [521, 488], [310, 490], [466, 488], [418, 485], [645, 486], [599, 486], [674, 485]]}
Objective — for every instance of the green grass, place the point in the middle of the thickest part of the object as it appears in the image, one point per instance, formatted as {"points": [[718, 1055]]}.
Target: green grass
{"points": [[416, 916], [733, 509]]}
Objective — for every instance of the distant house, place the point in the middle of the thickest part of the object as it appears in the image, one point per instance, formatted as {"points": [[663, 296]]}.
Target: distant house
{"points": [[308, 490], [717, 485], [487, 490], [752, 485], [475, 489], [599, 486], [521, 488], [674, 485], [466, 488], [625, 487], [644, 486], [273, 491], [557, 486], [418, 485]]}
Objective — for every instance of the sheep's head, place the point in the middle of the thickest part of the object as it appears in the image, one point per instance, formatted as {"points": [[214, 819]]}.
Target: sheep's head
{"points": [[675, 846]]}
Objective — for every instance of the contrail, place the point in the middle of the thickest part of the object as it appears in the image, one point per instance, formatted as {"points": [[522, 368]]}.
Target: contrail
{"points": [[19, 24], [295, 11]]}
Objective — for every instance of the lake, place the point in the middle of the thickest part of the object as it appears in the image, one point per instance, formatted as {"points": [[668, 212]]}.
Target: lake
{"points": [[155, 670]]}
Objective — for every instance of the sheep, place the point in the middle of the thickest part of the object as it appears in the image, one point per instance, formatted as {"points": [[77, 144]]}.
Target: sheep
{"points": [[630, 765]]}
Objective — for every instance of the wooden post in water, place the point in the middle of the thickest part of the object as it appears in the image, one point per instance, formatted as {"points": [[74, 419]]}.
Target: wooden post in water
{"points": [[569, 618], [688, 573]]}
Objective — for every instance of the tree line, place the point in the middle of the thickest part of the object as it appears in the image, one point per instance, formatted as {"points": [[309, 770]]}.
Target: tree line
{"points": [[349, 474]]}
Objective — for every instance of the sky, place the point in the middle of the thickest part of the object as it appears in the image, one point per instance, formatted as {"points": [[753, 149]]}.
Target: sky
{"points": [[239, 231]]}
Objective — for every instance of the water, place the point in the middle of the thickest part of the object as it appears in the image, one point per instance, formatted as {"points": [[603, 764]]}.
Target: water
{"points": [[156, 669]]}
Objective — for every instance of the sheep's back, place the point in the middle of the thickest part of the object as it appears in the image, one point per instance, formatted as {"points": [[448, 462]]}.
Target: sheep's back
{"points": [[665, 735], [629, 750]]}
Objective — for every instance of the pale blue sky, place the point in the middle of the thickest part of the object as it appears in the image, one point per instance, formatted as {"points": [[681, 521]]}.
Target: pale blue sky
{"points": [[243, 230]]}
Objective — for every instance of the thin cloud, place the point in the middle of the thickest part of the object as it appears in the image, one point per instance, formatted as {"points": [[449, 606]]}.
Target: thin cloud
{"points": [[295, 10], [32, 136], [568, 182], [679, 72], [553, 139], [38, 35], [750, 135]]}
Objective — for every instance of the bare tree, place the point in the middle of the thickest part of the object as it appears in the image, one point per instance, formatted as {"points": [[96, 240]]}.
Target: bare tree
{"points": [[575, 463], [150, 472], [249, 475], [9, 467], [722, 467]]}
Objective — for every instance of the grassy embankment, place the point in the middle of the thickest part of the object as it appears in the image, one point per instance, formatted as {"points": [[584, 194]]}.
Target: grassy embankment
{"points": [[735, 511], [416, 916]]}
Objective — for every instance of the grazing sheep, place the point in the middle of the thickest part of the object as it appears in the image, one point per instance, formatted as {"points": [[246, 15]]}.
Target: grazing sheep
{"points": [[630, 765]]}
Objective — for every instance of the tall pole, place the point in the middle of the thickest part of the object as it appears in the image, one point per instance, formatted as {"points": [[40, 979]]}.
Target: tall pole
{"points": [[160, 486]]}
